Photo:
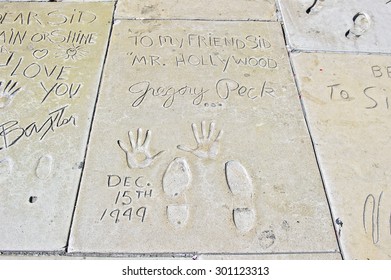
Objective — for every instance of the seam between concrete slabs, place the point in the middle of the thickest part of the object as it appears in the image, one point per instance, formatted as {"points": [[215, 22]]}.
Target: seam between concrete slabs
{"points": [[92, 124], [290, 51], [316, 156]]}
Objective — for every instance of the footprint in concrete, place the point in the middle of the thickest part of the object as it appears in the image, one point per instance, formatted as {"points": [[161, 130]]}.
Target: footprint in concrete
{"points": [[240, 185], [315, 7], [6, 167], [266, 239], [44, 167], [177, 177], [176, 180], [178, 215], [361, 23], [244, 219], [238, 180]]}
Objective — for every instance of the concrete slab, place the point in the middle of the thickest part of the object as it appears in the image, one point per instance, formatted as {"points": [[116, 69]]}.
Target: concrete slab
{"points": [[338, 25], [202, 9], [199, 145], [47, 96], [346, 99]]}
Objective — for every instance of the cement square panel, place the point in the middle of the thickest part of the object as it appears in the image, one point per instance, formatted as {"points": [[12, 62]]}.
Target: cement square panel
{"points": [[332, 25], [51, 58], [346, 99], [199, 145], [202, 9]]}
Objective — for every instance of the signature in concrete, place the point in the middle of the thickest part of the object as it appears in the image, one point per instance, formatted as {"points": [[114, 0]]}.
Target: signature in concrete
{"points": [[11, 132], [371, 212]]}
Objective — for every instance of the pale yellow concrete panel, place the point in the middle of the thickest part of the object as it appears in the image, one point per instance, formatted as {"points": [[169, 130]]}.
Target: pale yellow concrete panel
{"points": [[347, 102], [51, 57], [199, 145]]}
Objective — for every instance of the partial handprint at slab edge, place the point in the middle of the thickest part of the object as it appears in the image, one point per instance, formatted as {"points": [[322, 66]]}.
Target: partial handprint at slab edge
{"points": [[8, 90]]}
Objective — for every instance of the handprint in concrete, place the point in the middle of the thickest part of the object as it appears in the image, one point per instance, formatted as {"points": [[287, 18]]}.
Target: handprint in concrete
{"points": [[8, 90], [207, 145], [138, 155]]}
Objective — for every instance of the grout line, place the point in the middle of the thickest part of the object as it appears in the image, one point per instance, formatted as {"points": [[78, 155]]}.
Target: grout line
{"points": [[91, 125], [341, 52], [152, 255], [271, 253], [194, 19], [279, 13], [290, 51], [314, 148]]}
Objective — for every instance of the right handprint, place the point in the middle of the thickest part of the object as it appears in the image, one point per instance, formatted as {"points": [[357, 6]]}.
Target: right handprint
{"points": [[207, 147]]}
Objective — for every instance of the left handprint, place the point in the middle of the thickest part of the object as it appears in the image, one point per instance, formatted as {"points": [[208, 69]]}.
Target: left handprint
{"points": [[138, 155], [8, 92]]}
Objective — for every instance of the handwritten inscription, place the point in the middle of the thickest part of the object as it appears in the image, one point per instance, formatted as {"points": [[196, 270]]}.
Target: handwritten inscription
{"points": [[193, 40], [199, 50], [61, 89], [34, 70], [379, 71], [130, 193], [11, 132], [209, 60], [375, 96], [53, 18], [216, 60], [116, 214], [114, 181], [227, 87], [224, 89], [38, 51], [58, 36], [168, 93], [374, 216], [188, 48]]}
